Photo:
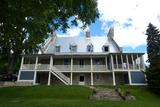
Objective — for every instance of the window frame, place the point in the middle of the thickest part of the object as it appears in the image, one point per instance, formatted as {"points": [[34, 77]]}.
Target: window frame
{"points": [[56, 48]]}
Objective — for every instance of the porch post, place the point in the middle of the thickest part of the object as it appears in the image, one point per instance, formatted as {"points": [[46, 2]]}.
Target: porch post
{"points": [[36, 62], [35, 72], [35, 76], [122, 61], [113, 75], [112, 62], [91, 71], [71, 78], [51, 63], [133, 62], [138, 62], [142, 62], [49, 78], [22, 60], [19, 73], [127, 61], [116, 61], [129, 77], [106, 63]]}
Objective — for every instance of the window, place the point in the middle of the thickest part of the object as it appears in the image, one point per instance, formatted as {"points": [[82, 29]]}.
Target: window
{"points": [[81, 63], [97, 62], [73, 48], [66, 61], [57, 48], [106, 48], [81, 78], [90, 48], [97, 77], [26, 75]]}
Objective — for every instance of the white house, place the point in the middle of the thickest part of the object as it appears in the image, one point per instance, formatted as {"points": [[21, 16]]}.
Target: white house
{"points": [[83, 61]]}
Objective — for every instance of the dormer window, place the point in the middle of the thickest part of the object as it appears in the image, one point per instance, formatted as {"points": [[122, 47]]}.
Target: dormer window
{"points": [[90, 48], [73, 48], [105, 48], [57, 48]]}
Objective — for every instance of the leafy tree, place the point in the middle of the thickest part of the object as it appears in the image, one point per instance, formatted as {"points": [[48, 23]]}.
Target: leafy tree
{"points": [[153, 50], [24, 24]]}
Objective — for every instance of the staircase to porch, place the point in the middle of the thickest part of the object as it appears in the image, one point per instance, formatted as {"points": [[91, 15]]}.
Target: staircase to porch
{"points": [[60, 76]]}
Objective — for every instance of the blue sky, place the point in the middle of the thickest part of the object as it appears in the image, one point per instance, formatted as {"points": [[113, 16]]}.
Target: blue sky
{"points": [[129, 18]]}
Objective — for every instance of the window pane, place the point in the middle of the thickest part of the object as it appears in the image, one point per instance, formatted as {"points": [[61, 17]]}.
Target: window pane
{"points": [[26, 75]]}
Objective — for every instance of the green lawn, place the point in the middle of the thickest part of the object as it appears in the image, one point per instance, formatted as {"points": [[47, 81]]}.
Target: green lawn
{"points": [[70, 96]]}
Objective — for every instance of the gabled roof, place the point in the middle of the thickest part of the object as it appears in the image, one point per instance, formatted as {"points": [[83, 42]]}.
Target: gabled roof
{"points": [[82, 42]]}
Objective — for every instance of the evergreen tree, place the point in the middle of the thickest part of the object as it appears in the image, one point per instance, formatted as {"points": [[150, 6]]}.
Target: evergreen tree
{"points": [[153, 50]]}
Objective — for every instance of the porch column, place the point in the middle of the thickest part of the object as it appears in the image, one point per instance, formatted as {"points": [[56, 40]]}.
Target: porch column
{"points": [[116, 61], [35, 72], [113, 75], [71, 78], [49, 78], [91, 78], [91, 71], [133, 61], [51, 63], [129, 77], [22, 60], [106, 63], [122, 61], [142, 62], [138, 62], [112, 62], [35, 76], [36, 62], [19, 73], [127, 61]]}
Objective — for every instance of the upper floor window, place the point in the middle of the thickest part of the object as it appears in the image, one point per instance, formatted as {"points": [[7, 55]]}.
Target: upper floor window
{"points": [[105, 48], [81, 63], [90, 48], [66, 62], [73, 48], [57, 48]]}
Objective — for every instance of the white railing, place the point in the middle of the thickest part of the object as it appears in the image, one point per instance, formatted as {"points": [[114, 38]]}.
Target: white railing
{"points": [[81, 67], [125, 66], [61, 76], [99, 68], [61, 67], [28, 66], [43, 66]]}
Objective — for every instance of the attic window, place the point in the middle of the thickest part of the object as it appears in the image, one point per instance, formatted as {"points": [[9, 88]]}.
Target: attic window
{"points": [[90, 48], [106, 48], [57, 48], [73, 48]]}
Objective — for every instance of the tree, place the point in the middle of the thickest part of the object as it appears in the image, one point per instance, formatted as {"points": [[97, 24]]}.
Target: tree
{"points": [[24, 24], [153, 50]]}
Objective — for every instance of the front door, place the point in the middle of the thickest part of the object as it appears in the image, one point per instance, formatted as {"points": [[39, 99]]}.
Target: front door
{"points": [[81, 80]]}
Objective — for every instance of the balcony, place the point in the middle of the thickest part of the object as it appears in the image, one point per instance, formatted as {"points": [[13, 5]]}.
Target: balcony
{"points": [[28, 66], [43, 66]]}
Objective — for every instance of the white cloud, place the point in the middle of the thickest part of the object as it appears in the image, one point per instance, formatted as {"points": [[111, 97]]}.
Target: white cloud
{"points": [[74, 31], [135, 13]]}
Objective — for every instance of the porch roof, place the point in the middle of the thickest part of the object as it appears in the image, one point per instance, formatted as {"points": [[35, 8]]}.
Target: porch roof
{"points": [[84, 54]]}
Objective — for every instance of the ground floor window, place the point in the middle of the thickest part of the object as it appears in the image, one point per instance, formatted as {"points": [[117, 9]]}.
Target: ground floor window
{"points": [[81, 78], [138, 77], [26, 75]]}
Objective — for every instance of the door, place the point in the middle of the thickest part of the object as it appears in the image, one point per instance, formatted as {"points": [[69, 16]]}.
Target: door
{"points": [[81, 80]]}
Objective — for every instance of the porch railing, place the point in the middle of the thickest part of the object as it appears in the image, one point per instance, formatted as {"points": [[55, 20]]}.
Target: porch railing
{"points": [[43, 66], [28, 66]]}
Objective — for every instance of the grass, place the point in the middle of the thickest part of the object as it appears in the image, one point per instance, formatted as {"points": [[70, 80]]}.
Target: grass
{"points": [[70, 96]]}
